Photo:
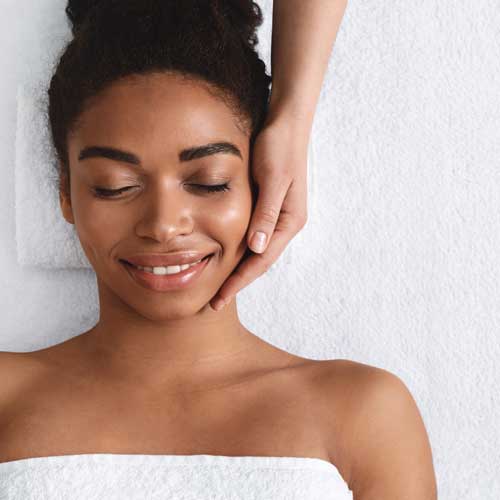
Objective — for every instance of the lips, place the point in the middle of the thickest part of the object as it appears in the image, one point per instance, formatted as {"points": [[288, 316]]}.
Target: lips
{"points": [[167, 282], [164, 260], [165, 265]]}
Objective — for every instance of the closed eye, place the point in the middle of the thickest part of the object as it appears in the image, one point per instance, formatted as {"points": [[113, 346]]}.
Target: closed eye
{"points": [[109, 193], [216, 187], [103, 192]]}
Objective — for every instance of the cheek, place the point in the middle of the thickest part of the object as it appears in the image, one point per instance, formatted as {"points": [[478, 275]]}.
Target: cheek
{"points": [[234, 216], [229, 224], [230, 228], [103, 227], [98, 229]]}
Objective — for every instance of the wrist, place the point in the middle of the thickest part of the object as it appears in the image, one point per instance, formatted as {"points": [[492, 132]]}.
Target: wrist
{"points": [[288, 130], [287, 112], [298, 97]]}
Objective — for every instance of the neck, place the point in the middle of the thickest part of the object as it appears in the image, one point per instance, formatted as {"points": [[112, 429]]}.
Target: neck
{"points": [[133, 349]]}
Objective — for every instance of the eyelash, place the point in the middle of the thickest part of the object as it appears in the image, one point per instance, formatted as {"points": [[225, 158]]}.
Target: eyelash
{"points": [[110, 193]]}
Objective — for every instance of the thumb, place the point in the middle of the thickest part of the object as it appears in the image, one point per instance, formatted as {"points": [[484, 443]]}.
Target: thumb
{"points": [[266, 214]]}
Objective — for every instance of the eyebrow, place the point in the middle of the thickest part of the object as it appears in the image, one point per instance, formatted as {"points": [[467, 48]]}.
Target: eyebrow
{"points": [[185, 155]]}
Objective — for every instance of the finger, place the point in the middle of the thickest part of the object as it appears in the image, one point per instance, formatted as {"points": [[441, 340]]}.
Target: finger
{"points": [[257, 264], [289, 224], [267, 211]]}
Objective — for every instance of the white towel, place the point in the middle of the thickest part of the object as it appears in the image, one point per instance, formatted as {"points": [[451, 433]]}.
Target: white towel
{"points": [[43, 237], [173, 477]]}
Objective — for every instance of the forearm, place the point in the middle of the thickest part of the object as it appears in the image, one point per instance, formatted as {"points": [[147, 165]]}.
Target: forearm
{"points": [[303, 35]]}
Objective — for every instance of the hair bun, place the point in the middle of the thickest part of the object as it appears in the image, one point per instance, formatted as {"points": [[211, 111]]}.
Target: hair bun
{"points": [[244, 15], [78, 10]]}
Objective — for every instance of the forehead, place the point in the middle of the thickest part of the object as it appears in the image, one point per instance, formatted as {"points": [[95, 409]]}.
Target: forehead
{"points": [[159, 110]]}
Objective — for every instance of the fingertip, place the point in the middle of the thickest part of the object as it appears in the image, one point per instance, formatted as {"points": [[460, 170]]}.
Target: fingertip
{"points": [[218, 305], [258, 242]]}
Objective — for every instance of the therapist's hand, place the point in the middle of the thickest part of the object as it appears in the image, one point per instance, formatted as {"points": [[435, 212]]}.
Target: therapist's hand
{"points": [[279, 168]]}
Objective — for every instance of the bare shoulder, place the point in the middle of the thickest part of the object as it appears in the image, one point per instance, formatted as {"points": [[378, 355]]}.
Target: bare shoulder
{"points": [[386, 444]]}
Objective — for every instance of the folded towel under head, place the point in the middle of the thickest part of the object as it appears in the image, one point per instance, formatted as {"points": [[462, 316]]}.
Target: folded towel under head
{"points": [[43, 237]]}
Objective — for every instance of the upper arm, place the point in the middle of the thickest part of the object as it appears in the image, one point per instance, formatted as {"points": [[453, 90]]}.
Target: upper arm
{"points": [[390, 446]]}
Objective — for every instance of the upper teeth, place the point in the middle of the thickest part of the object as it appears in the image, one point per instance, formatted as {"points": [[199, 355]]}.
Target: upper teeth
{"points": [[168, 269]]}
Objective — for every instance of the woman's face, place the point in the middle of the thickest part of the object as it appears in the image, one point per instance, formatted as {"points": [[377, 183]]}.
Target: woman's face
{"points": [[165, 208]]}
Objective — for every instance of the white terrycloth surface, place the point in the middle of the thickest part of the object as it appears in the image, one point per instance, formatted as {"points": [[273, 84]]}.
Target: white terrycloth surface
{"points": [[171, 477], [398, 264]]}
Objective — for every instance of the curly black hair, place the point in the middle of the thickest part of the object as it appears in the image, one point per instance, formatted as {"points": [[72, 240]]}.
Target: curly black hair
{"points": [[210, 41]]}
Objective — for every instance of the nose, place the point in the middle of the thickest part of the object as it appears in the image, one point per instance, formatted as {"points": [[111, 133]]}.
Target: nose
{"points": [[167, 212]]}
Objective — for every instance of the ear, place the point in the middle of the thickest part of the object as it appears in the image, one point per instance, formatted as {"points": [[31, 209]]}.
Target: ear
{"points": [[65, 196]]}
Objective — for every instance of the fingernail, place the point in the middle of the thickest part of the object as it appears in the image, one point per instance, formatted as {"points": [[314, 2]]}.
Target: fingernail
{"points": [[258, 242]]}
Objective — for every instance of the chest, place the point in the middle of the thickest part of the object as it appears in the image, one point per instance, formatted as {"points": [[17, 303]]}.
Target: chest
{"points": [[270, 416]]}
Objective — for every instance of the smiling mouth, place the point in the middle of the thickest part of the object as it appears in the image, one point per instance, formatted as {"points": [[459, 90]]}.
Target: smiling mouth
{"points": [[162, 282], [143, 268]]}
